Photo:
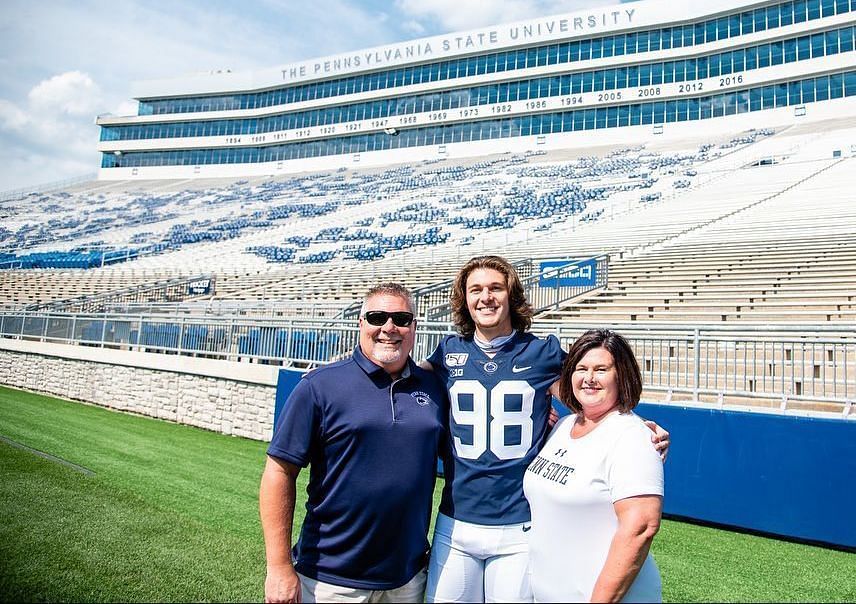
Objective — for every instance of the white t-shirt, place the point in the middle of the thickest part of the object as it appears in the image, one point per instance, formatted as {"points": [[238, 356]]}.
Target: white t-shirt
{"points": [[571, 487]]}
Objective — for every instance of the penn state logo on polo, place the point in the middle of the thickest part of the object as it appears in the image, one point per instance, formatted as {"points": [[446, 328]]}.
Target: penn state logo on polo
{"points": [[456, 359], [422, 399]]}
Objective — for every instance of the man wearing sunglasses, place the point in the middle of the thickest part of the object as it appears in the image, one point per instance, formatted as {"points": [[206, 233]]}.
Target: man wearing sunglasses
{"points": [[369, 427]]}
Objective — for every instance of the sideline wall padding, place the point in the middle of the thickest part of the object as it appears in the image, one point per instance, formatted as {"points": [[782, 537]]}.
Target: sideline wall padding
{"points": [[778, 474], [785, 475], [286, 382]]}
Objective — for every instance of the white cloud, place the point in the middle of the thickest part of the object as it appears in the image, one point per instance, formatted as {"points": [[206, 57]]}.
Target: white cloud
{"points": [[63, 63], [50, 135], [414, 27], [58, 114], [11, 118], [72, 93]]}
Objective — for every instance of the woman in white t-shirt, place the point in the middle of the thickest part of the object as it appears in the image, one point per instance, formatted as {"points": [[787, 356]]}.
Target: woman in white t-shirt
{"points": [[596, 488]]}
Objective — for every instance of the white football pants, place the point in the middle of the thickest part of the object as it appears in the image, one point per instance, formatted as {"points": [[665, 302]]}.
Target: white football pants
{"points": [[478, 563]]}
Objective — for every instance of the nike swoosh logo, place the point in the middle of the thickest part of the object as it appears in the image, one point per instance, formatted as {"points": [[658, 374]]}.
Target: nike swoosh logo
{"points": [[517, 369], [526, 528]]}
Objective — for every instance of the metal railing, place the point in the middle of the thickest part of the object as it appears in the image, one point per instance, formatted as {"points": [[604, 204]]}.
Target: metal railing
{"points": [[550, 287], [545, 289], [432, 301], [214, 307], [785, 368], [172, 290], [302, 342], [43, 188]]}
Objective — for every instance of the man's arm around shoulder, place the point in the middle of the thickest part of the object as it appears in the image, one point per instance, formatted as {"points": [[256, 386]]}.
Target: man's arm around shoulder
{"points": [[277, 496]]}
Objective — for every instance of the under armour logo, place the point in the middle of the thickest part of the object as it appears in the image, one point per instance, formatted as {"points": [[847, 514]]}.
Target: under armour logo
{"points": [[560, 452]]}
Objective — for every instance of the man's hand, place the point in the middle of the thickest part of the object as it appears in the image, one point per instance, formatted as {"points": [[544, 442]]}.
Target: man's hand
{"points": [[277, 494], [660, 438], [552, 392], [552, 418], [282, 584]]}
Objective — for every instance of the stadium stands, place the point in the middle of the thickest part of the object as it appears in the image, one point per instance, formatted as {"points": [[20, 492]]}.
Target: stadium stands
{"points": [[323, 236], [366, 217], [762, 234]]}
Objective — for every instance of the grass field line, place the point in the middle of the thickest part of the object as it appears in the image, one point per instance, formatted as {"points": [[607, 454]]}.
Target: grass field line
{"points": [[47, 456]]}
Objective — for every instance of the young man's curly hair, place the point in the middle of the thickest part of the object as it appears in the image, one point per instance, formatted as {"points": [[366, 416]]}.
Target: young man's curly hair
{"points": [[519, 309]]}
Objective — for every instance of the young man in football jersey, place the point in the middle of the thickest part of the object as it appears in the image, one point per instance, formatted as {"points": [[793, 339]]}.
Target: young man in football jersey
{"points": [[499, 378]]}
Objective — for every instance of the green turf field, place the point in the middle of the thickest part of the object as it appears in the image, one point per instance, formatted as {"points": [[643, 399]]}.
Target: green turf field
{"points": [[170, 514]]}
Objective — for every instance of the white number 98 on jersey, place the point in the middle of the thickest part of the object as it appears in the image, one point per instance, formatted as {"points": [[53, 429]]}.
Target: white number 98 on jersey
{"points": [[489, 418]]}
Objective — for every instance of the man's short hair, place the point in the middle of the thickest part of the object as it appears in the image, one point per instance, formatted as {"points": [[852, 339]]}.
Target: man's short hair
{"points": [[389, 289], [519, 309], [629, 378]]}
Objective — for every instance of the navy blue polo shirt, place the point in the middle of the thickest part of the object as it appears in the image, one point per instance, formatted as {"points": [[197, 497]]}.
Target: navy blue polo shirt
{"points": [[371, 444]]}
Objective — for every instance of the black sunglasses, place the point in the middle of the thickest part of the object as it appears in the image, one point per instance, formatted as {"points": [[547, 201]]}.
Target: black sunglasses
{"points": [[380, 317]]}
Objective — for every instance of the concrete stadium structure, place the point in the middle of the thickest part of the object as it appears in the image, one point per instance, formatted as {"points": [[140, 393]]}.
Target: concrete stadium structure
{"points": [[698, 157], [679, 171], [619, 75]]}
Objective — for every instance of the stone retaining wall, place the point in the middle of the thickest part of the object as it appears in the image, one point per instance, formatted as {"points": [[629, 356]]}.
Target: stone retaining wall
{"points": [[223, 396]]}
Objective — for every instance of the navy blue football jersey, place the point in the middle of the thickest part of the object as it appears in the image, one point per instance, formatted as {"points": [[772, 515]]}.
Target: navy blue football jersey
{"points": [[497, 423]]}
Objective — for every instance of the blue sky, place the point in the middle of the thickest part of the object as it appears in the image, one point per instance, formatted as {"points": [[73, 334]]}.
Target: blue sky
{"points": [[63, 62]]}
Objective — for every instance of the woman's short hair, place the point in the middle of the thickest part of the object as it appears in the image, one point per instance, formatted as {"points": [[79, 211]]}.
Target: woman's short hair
{"points": [[519, 309], [627, 372]]}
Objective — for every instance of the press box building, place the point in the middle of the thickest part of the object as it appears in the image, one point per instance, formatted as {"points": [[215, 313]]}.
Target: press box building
{"points": [[608, 75]]}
